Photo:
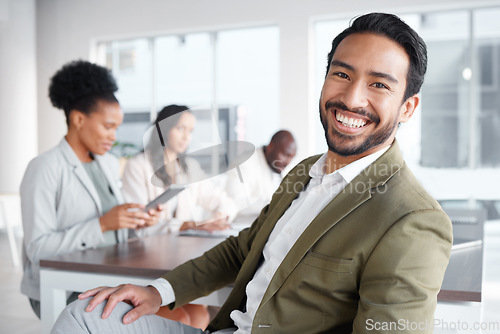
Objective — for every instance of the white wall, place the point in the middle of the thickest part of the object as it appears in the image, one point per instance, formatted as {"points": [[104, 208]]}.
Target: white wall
{"points": [[18, 130], [66, 29]]}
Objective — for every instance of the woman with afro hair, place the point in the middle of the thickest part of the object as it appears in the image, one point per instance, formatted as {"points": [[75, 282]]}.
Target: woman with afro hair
{"points": [[71, 195]]}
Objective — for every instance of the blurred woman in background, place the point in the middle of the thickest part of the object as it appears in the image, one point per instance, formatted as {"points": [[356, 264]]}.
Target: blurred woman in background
{"points": [[71, 195], [161, 164]]}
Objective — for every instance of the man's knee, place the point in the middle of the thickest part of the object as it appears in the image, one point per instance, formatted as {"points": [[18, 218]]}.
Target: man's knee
{"points": [[69, 319], [76, 307], [75, 318]]}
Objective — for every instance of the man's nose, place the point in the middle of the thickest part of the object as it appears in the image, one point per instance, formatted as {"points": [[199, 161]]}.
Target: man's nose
{"points": [[355, 96]]}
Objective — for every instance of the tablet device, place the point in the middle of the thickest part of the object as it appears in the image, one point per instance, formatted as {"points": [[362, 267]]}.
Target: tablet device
{"points": [[172, 191]]}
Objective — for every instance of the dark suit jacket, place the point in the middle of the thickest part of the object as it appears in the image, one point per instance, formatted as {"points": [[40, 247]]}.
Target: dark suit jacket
{"points": [[374, 257]]}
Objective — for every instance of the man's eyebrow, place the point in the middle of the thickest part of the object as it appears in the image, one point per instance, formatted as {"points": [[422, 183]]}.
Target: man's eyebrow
{"points": [[349, 67], [384, 76], [342, 64]]}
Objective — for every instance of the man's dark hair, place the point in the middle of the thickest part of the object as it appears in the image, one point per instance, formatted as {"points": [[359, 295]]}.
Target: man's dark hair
{"points": [[79, 84], [394, 28]]}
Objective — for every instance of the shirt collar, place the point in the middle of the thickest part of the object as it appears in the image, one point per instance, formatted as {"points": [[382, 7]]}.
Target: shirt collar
{"points": [[348, 172]]}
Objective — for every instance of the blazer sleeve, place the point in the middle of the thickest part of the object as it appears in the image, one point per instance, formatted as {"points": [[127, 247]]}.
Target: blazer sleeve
{"points": [[403, 275], [40, 201], [216, 268]]}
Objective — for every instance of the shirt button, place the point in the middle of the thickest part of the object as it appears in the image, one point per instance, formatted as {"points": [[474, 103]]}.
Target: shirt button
{"points": [[268, 271], [288, 231]]}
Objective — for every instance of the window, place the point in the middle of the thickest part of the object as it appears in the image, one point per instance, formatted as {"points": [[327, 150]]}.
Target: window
{"points": [[459, 118], [446, 102], [235, 70], [487, 35], [183, 69]]}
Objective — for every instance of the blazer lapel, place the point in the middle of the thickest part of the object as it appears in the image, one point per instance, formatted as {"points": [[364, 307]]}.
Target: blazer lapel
{"points": [[356, 193], [80, 173], [290, 188]]}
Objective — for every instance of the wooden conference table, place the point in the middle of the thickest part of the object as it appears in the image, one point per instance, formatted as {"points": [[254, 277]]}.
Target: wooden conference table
{"points": [[138, 261], [141, 260]]}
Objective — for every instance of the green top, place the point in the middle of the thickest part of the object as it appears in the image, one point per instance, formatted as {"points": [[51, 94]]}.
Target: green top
{"points": [[108, 199]]}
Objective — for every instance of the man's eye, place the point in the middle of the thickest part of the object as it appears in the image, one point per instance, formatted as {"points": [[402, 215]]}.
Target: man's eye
{"points": [[380, 85], [341, 74]]}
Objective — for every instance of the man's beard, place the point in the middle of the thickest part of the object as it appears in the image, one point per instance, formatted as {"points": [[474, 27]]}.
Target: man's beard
{"points": [[336, 140]]}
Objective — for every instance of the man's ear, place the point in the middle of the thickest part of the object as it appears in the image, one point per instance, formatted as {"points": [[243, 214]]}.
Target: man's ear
{"points": [[408, 108]]}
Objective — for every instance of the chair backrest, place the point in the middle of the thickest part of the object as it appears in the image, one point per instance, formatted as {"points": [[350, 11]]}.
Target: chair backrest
{"points": [[468, 224]]}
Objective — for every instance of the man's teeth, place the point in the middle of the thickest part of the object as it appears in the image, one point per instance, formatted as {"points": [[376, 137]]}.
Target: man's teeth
{"points": [[350, 122]]}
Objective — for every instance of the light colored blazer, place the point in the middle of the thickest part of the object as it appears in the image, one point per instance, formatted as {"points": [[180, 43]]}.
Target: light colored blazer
{"points": [[61, 209], [376, 253], [200, 193]]}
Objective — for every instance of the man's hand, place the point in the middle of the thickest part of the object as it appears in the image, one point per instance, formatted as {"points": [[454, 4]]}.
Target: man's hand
{"points": [[146, 300]]}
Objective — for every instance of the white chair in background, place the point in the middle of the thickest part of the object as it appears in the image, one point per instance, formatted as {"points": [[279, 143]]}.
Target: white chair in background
{"points": [[10, 217]]}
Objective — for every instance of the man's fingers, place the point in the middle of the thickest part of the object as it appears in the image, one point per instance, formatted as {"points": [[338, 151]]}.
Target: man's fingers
{"points": [[100, 297], [110, 305], [115, 296], [89, 293], [137, 312], [146, 299]]}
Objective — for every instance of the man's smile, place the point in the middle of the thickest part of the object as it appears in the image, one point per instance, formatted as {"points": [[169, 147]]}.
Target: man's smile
{"points": [[348, 121]]}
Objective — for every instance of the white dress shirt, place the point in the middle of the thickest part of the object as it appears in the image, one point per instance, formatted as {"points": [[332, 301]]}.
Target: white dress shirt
{"points": [[321, 189]]}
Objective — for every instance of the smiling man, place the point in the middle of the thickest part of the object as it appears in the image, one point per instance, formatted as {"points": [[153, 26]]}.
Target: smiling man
{"points": [[350, 242], [365, 95]]}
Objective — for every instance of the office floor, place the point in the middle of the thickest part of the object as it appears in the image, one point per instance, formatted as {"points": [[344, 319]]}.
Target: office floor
{"points": [[17, 317]]}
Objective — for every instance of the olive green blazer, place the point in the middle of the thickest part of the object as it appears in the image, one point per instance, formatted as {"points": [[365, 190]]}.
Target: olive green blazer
{"points": [[374, 257]]}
